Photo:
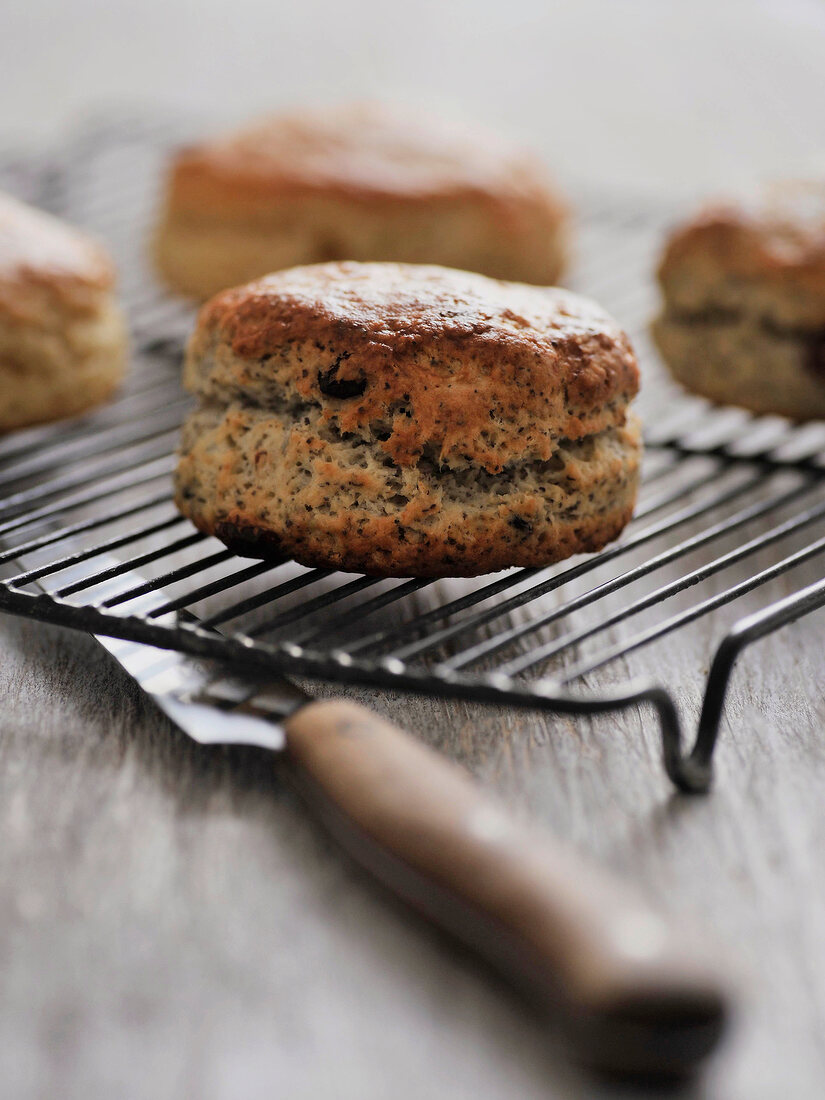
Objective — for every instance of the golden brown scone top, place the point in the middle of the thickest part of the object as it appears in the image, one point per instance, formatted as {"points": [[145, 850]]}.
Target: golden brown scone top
{"points": [[774, 239], [481, 367], [365, 152], [44, 262]]}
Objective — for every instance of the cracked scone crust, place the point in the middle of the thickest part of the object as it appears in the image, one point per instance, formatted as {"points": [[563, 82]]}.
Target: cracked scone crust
{"points": [[743, 284], [62, 336], [402, 420], [356, 183]]}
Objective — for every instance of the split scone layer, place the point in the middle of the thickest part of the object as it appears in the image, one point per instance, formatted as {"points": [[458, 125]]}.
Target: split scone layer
{"points": [[402, 420]]}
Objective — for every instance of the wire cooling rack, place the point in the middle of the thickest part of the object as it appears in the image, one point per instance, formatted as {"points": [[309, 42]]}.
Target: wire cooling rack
{"points": [[730, 505]]}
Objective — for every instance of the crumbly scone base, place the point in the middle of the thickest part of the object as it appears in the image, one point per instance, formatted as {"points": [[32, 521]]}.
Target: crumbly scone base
{"points": [[740, 360], [408, 420], [289, 485], [60, 370], [200, 255]]}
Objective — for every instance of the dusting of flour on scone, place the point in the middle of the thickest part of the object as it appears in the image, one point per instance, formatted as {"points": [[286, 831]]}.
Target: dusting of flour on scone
{"points": [[62, 336], [403, 420], [743, 320], [361, 182]]}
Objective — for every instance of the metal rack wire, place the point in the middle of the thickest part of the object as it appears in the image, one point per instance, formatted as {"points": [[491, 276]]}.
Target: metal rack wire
{"points": [[729, 505]]}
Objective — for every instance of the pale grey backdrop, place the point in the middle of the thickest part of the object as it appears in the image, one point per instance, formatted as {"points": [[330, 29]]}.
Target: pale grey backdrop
{"points": [[655, 93]]}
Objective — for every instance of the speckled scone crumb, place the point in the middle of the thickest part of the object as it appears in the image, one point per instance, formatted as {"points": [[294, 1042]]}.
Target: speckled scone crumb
{"points": [[744, 302], [360, 182], [62, 337], [403, 420]]}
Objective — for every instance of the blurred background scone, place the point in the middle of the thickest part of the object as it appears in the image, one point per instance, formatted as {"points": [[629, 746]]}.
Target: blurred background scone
{"points": [[403, 420], [62, 336], [743, 321], [356, 183]]}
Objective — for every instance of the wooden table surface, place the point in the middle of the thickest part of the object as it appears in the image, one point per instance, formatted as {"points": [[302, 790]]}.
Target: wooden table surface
{"points": [[173, 924]]}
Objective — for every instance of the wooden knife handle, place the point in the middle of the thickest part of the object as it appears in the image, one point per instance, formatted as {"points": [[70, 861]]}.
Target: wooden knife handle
{"points": [[626, 993]]}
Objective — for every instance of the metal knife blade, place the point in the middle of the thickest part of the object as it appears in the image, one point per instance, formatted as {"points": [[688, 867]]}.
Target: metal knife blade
{"points": [[207, 701], [209, 704]]}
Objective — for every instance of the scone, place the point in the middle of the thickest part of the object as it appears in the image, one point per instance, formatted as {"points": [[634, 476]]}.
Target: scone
{"points": [[356, 183], [404, 420], [62, 336], [744, 302]]}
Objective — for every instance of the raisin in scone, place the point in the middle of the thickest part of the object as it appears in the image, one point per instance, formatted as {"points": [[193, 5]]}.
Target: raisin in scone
{"points": [[62, 335], [356, 183], [743, 321], [404, 420]]}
